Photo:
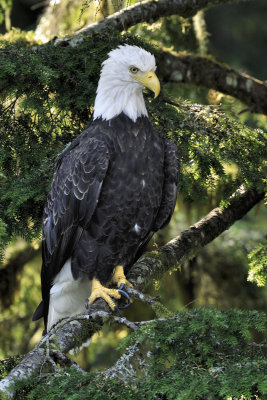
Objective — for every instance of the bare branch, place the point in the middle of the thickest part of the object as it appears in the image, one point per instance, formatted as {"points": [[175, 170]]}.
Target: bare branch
{"points": [[213, 75], [141, 296], [144, 11], [123, 321]]}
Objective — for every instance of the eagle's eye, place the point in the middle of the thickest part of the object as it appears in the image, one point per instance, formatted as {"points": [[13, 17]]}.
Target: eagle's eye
{"points": [[134, 70]]}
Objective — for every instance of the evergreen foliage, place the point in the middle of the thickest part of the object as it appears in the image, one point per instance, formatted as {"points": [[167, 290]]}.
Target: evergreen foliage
{"points": [[209, 141], [258, 264], [47, 102], [196, 355], [8, 364], [48, 92]]}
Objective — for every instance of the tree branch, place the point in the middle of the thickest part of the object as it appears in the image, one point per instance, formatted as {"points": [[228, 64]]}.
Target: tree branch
{"points": [[71, 332], [189, 242], [213, 75], [144, 11], [182, 68], [179, 68]]}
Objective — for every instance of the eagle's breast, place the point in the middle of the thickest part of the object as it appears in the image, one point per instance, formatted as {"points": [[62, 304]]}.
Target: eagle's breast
{"points": [[130, 196]]}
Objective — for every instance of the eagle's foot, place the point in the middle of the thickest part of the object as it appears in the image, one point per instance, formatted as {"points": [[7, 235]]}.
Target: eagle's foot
{"points": [[100, 291], [119, 278]]}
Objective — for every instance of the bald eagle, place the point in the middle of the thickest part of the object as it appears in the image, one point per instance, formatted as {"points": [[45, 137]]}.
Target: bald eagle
{"points": [[114, 186]]}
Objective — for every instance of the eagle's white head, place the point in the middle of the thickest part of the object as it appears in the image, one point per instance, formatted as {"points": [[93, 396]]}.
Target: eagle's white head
{"points": [[124, 75]]}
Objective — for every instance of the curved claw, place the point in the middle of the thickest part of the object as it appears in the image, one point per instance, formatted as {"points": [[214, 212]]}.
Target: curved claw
{"points": [[124, 294], [86, 304], [118, 310]]}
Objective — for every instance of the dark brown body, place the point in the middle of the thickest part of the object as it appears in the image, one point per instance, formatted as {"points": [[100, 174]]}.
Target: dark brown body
{"points": [[114, 186]]}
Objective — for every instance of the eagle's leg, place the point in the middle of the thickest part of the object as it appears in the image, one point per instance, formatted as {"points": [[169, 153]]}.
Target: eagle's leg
{"points": [[101, 291], [119, 278]]}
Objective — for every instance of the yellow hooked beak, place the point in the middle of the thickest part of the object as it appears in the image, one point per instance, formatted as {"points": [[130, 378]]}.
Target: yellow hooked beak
{"points": [[150, 80]]}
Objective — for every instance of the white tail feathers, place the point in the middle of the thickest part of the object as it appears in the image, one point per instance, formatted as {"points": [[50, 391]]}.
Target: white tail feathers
{"points": [[67, 296]]}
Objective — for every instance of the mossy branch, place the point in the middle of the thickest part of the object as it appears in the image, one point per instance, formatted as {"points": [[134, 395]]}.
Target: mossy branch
{"points": [[175, 68], [206, 72], [144, 11], [194, 354], [71, 332], [182, 68], [185, 246]]}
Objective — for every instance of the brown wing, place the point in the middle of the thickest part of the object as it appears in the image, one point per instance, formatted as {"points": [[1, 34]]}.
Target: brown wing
{"points": [[171, 172], [70, 205]]}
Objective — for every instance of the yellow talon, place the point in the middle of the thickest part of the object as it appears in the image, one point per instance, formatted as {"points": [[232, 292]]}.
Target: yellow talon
{"points": [[100, 291], [119, 277]]}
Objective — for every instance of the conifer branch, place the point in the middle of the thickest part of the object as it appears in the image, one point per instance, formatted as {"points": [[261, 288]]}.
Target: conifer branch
{"points": [[205, 72], [75, 330]]}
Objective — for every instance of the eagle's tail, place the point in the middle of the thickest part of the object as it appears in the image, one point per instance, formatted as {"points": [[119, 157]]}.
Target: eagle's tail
{"points": [[39, 312], [67, 295]]}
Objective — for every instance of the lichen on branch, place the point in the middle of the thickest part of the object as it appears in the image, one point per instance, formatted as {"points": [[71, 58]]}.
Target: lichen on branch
{"points": [[144, 11], [203, 71], [196, 353]]}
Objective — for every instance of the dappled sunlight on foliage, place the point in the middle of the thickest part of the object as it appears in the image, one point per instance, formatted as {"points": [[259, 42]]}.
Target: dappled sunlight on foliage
{"points": [[258, 264]]}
